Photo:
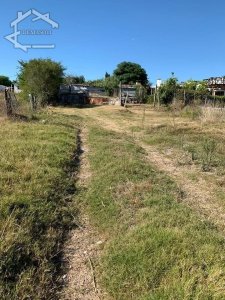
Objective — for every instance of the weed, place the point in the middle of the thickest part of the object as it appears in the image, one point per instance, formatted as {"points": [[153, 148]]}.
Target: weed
{"points": [[192, 112], [208, 154], [212, 115]]}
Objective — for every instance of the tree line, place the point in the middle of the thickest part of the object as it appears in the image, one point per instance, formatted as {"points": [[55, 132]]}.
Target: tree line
{"points": [[40, 79]]}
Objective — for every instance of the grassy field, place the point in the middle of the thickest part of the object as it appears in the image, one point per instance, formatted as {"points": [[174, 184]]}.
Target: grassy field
{"points": [[190, 138], [157, 248], [37, 161], [158, 244]]}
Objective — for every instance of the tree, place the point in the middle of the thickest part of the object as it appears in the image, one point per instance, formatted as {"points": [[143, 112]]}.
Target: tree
{"points": [[4, 80], [107, 75], [168, 90], [41, 78], [74, 79], [194, 85], [130, 73], [141, 93], [109, 84], [202, 86], [190, 85]]}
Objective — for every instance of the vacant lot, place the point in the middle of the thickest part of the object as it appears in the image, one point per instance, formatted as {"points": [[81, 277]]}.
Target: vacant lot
{"points": [[155, 196]]}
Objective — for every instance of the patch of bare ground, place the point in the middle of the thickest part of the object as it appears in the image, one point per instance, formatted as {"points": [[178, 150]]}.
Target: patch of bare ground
{"points": [[83, 247]]}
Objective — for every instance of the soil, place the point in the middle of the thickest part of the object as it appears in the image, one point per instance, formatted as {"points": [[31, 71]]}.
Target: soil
{"points": [[82, 249]]}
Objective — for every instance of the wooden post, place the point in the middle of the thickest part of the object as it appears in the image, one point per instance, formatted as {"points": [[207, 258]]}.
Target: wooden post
{"points": [[120, 92], [8, 102], [125, 105], [158, 100]]}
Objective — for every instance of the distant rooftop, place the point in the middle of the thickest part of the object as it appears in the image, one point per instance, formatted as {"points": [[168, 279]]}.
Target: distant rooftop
{"points": [[215, 80]]}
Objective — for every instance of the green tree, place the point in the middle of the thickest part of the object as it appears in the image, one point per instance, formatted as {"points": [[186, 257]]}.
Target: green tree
{"points": [[141, 93], [168, 90], [190, 85], [202, 86], [96, 83], [41, 78], [108, 83], [130, 73], [4, 80], [107, 75], [74, 79]]}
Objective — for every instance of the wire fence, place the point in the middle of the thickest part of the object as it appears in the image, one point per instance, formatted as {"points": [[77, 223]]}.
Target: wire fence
{"points": [[187, 97], [199, 97], [10, 106]]}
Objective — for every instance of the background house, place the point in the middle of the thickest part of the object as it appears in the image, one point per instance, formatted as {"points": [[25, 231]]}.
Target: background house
{"points": [[216, 85]]}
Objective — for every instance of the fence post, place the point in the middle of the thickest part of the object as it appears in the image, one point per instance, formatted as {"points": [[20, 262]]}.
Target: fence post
{"points": [[120, 92], [33, 102], [158, 100], [154, 99], [8, 101]]}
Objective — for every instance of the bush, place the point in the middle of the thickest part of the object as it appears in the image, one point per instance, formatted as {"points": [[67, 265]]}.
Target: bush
{"points": [[150, 99]]}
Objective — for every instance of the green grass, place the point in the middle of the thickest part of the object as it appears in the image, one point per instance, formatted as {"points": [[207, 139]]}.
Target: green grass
{"points": [[36, 164], [157, 248]]}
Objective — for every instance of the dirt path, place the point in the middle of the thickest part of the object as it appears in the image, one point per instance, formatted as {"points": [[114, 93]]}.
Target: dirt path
{"points": [[83, 248], [197, 194]]}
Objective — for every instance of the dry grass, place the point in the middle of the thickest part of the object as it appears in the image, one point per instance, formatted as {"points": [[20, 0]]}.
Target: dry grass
{"points": [[212, 115], [2, 105], [157, 247]]}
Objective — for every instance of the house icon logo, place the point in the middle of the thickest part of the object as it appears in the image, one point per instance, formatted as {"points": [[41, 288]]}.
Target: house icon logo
{"points": [[14, 37]]}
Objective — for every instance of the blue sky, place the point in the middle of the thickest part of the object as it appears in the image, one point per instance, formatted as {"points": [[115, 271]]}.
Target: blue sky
{"points": [[184, 37]]}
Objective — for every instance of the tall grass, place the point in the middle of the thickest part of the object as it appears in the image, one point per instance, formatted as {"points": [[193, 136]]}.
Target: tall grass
{"points": [[36, 161], [21, 108], [212, 114], [157, 248], [205, 145], [2, 105]]}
